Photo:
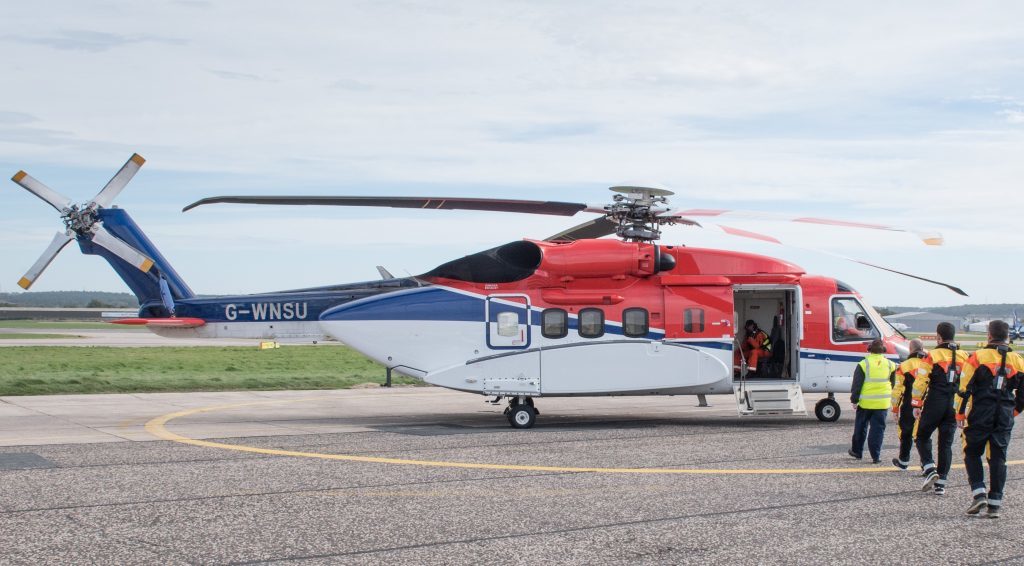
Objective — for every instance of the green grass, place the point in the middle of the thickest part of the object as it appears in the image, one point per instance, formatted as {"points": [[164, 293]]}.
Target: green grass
{"points": [[68, 325], [31, 335], [42, 370]]}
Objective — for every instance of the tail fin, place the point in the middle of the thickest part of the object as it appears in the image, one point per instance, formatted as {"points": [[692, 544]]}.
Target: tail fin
{"points": [[145, 285], [110, 233]]}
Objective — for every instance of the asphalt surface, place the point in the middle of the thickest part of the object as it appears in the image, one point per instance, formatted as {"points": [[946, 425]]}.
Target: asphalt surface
{"points": [[83, 480]]}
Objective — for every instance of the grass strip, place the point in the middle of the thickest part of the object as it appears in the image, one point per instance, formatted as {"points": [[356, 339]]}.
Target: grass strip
{"points": [[43, 370]]}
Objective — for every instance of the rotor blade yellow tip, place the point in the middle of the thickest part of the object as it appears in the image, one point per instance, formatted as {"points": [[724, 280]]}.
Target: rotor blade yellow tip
{"points": [[19, 176], [24, 283], [933, 241], [138, 159], [146, 265]]}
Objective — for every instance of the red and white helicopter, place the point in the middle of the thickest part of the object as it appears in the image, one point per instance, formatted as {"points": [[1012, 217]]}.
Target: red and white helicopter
{"points": [[574, 315]]}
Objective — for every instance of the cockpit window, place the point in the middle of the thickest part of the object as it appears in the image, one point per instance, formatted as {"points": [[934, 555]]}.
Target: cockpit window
{"points": [[850, 321]]}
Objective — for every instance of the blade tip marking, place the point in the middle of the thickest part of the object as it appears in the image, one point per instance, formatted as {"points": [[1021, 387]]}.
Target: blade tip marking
{"points": [[24, 283], [146, 266], [137, 159], [19, 176]]}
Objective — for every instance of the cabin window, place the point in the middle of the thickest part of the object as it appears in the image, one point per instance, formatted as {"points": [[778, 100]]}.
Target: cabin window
{"points": [[850, 322], [693, 320], [508, 324], [635, 323], [554, 323], [591, 323]]}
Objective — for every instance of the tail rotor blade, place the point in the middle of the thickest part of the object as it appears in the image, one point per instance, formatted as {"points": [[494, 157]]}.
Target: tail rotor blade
{"points": [[122, 250], [32, 185], [60, 239], [118, 181]]}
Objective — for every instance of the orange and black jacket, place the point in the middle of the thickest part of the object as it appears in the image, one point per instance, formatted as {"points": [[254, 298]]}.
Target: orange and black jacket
{"points": [[905, 376], [932, 380], [981, 403]]}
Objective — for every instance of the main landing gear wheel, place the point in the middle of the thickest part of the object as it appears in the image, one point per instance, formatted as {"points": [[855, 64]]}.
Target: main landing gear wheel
{"points": [[827, 410], [521, 415]]}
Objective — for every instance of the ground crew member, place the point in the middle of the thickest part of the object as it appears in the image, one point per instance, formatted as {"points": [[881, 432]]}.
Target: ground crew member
{"points": [[935, 387], [991, 395], [902, 408], [756, 345], [871, 395]]}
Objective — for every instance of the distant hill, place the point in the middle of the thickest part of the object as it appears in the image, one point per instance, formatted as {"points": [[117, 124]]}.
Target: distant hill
{"points": [[69, 299], [968, 311]]}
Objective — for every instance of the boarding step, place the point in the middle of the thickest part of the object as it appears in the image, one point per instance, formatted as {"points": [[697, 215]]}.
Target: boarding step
{"points": [[758, 398]]}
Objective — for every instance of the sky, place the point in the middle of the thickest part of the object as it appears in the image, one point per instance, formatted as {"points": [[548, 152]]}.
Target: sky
{"points": [[908, 113]]}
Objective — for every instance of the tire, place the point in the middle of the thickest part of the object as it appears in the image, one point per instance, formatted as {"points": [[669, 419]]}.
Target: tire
{"points": [[522, 416], [827, 410]]}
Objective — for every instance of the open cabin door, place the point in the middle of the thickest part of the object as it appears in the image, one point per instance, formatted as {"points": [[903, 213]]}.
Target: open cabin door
{"points": [[768, 384]]}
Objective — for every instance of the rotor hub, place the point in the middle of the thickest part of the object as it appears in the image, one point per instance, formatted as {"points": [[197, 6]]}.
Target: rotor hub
{"points": [[80, 219], [637, 212]]}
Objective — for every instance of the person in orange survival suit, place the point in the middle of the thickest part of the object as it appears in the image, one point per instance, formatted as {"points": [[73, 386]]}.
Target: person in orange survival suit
{"points": [[991, 395], [902, 408], [935, 387], [756, 345]]}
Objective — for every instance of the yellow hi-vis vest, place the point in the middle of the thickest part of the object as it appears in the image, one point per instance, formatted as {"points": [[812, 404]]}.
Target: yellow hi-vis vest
{"points": [[877, 390]]}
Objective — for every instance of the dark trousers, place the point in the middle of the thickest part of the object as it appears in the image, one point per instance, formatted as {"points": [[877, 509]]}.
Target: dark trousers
{"points": [[906, 422], [943, 419], [975, 444], [869, 425]]}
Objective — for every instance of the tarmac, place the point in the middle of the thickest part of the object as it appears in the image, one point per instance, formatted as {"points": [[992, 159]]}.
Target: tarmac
{"points": [[429, 476]]}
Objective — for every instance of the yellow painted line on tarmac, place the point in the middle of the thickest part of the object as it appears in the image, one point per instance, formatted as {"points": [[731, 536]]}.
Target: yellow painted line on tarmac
{"points": [[158, 428]]}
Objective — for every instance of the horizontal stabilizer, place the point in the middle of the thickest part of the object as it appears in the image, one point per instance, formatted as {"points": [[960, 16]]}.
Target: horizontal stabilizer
{"points": [[172, 322]]}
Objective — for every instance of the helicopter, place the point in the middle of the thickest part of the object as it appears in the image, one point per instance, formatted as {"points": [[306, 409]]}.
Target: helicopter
{"points": [[580, 315], [575, 314]]}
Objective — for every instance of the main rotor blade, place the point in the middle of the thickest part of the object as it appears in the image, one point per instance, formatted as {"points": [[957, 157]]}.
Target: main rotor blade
{"points": [[498, 205], [118, 181], [122, 250], [765, 238], [595, 228], [32, 185], [929, 238], [60, 239]]}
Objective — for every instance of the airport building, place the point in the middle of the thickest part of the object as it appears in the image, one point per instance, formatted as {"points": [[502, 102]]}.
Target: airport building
{"points": [[920, 321]]}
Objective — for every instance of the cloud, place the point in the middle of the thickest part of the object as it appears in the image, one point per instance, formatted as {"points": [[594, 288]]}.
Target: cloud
{"points": [[518, 133], [91, 41], [236, 76]]}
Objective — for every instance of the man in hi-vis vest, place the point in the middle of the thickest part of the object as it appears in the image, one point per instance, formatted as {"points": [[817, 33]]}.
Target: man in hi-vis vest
{"points": [[871, 395]]}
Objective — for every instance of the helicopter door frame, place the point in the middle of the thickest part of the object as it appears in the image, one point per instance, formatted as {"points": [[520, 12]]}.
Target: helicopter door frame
{"points": [[499, 333], [794, 327]]}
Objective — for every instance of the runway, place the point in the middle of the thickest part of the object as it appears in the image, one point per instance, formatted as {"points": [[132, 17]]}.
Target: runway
{"points": [[429, 476]]}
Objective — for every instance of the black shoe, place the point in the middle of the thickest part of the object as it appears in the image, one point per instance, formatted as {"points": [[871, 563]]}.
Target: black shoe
{"points": [[876, 461], [929, 480], [940, 490], [993, 511], [979, 503], [896, 462], [853, 454]]}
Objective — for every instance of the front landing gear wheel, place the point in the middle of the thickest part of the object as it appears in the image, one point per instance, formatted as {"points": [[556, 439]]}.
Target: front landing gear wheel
{"points": [[522, 416], [827, 410]]}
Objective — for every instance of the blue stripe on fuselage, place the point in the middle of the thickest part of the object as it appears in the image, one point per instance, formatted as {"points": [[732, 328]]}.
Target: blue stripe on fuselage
{"points": [[837, 357], [433, 304]]}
